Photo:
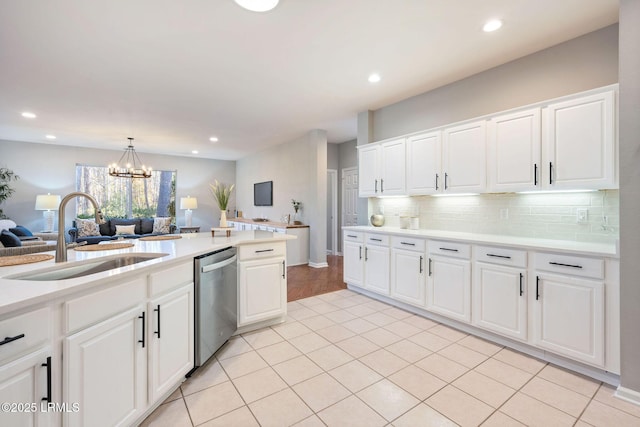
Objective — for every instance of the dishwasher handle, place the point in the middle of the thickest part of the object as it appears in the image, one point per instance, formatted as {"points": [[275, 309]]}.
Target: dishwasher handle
{"points": [[217, 265]]}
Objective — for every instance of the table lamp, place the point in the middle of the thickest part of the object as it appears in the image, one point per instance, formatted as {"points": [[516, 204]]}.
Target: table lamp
{"points": [[188, 203], [47, 203]]}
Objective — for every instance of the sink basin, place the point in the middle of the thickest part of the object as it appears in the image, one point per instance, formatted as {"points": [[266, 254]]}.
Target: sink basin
{"points": [[85, 268]]}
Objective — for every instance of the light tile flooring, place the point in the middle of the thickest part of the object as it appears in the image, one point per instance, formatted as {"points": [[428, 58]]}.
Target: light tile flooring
{"points": [[343, 359]]}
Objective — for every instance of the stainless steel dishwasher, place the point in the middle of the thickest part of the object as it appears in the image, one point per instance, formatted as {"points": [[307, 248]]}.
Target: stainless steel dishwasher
{"points": [[216, 296]]}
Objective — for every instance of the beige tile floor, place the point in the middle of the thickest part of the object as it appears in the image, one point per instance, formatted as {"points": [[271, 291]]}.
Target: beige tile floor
{"points": [[343, 359]]}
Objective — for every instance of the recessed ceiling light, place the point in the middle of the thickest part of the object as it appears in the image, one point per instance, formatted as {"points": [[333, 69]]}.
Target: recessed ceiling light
{"points": [[492, 25], [213, 139], [28, 115], [194, 152], [258, 5], [374, 78], [50, 137]]}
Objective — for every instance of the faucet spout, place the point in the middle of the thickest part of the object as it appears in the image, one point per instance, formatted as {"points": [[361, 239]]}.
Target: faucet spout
{"points": [[61, 246]]}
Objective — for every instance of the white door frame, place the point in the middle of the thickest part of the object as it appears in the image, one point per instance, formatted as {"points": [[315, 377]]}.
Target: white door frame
{"points": [[333, 174]]}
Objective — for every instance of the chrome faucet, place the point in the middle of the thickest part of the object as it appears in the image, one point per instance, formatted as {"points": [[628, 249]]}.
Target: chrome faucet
{"points": [[61, 247]]}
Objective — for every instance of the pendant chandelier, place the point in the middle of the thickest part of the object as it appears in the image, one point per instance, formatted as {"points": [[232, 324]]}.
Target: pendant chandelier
{"points": [[129, 165]]}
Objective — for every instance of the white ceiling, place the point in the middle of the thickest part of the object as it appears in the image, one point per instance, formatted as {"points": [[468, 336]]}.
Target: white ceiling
{"points": [[173, 73]]}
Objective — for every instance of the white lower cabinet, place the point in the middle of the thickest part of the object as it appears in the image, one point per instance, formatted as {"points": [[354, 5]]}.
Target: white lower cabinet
{"points": [[353, 262], [408, 267], [171, 338], [27, 381], [376, 269], [449, 287], [105, 371], [500, 300]]}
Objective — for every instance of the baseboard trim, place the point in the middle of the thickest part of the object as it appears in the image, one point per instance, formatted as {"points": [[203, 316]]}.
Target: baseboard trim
{"points": [[318, 264], [627, 395]]}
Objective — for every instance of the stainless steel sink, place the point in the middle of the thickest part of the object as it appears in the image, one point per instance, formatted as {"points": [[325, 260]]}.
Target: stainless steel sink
{"points": [[85, 268]]}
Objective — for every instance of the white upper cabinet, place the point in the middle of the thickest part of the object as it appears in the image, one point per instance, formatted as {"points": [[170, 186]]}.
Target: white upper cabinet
{"points": [[464, 158], [424, 163], [580, 143], [368, 170], [514, 162], [381, 169]]}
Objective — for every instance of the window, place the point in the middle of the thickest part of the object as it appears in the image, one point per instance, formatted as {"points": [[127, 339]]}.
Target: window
{"points": [[125, 197]]}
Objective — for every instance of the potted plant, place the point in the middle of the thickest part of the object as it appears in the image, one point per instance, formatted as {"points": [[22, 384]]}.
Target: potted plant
{"points": [[296, 207], [222, 194], [6, 176]]}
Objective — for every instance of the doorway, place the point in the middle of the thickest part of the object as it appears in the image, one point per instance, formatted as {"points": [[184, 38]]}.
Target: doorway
{"points": [[332, 211], [349, 196]]}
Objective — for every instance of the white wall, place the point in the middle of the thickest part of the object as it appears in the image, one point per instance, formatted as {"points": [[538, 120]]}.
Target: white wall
{"points": [[298, 170], [45, 168]]}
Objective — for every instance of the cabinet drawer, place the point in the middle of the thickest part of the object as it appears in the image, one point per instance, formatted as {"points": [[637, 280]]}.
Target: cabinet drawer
{"points": [[92, 308], [451, 249], [377, 239], [502, 256], [353, 236], [409, 243], [170, 278], [261, 250], [24, 332], [573, 265]]}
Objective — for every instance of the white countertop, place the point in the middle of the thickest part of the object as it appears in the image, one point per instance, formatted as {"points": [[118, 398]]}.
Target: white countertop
{"points": [[16, 294], [585, 248]]}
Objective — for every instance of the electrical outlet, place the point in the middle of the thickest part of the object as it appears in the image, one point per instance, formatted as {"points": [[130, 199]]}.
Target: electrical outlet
{"points": [[582, 215], [504, 213]]}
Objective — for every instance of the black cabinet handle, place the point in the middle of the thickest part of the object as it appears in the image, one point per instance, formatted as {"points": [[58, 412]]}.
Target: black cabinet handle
{"points": [[550, 173], [445, 180], [565, 265], [420, 264], [429, 267], [381, 185], [360, 252], [408, 244], [537, 288], [352, 236], [448, 249], [376, 185], [535, 174], [521, 276], [47, 364], [264, 250], [284, 269], [143, 328], [437, 182], [157, 310], [375, 240], [366, 253], [7, 340], [499, 256]]}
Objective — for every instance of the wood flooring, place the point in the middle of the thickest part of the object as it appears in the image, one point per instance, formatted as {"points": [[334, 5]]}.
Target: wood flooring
{"points": [[304, 281]]}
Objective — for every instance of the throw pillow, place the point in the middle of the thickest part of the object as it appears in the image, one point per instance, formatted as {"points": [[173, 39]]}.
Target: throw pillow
{"points": [[125, 229], [6, 224], [161, 225], [87, 227], [19, 230], [9, 240]]}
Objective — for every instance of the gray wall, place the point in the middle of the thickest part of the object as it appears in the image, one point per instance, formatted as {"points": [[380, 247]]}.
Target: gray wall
{"points": [[332, 156], [583, 63], [348, 158], [298, 170], [630, 192], [47, 168]]}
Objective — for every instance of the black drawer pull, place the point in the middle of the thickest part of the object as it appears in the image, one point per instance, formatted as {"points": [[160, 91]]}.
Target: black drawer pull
{"points": [[264, 250], [381, 185], [360, 252], [366, 253], [47, 364], [408, 244], [537, 288], [437, 182], [499, 256], [535, 174], [157, 310], [421, 265], [7, 340], [448, 249], [521, 276], [446, 177], [565, 265], [352, 236], [375, 240], [429, 267], [143, 328], [284, 269], [550, 173]]}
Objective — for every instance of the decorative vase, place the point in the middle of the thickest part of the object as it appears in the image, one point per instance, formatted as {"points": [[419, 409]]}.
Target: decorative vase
{"points": [[223, 219]]}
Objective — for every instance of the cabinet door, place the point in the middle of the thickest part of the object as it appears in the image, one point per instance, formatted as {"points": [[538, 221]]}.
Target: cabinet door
{"points": [[581, 143], [515, 152], [376, 269], [392, 165], [170, 339], [407, 276], [105, 371], [569, 317], [24, 381], [499, 300], [464, 158], [262, 290], [353, 268], [424, 163], [368, 171], [449, 287]]}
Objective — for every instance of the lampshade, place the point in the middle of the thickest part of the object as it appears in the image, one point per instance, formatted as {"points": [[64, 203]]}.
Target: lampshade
{"points": [[258, 5], [45, 202], [188, 203]]}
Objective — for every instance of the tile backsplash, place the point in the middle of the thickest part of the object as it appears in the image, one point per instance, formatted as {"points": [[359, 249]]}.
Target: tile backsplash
{"points": [[540, 215]]}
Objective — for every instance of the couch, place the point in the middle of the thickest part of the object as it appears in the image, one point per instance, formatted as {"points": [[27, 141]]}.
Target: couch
{"points": [[30, 243], [143, 227]]}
